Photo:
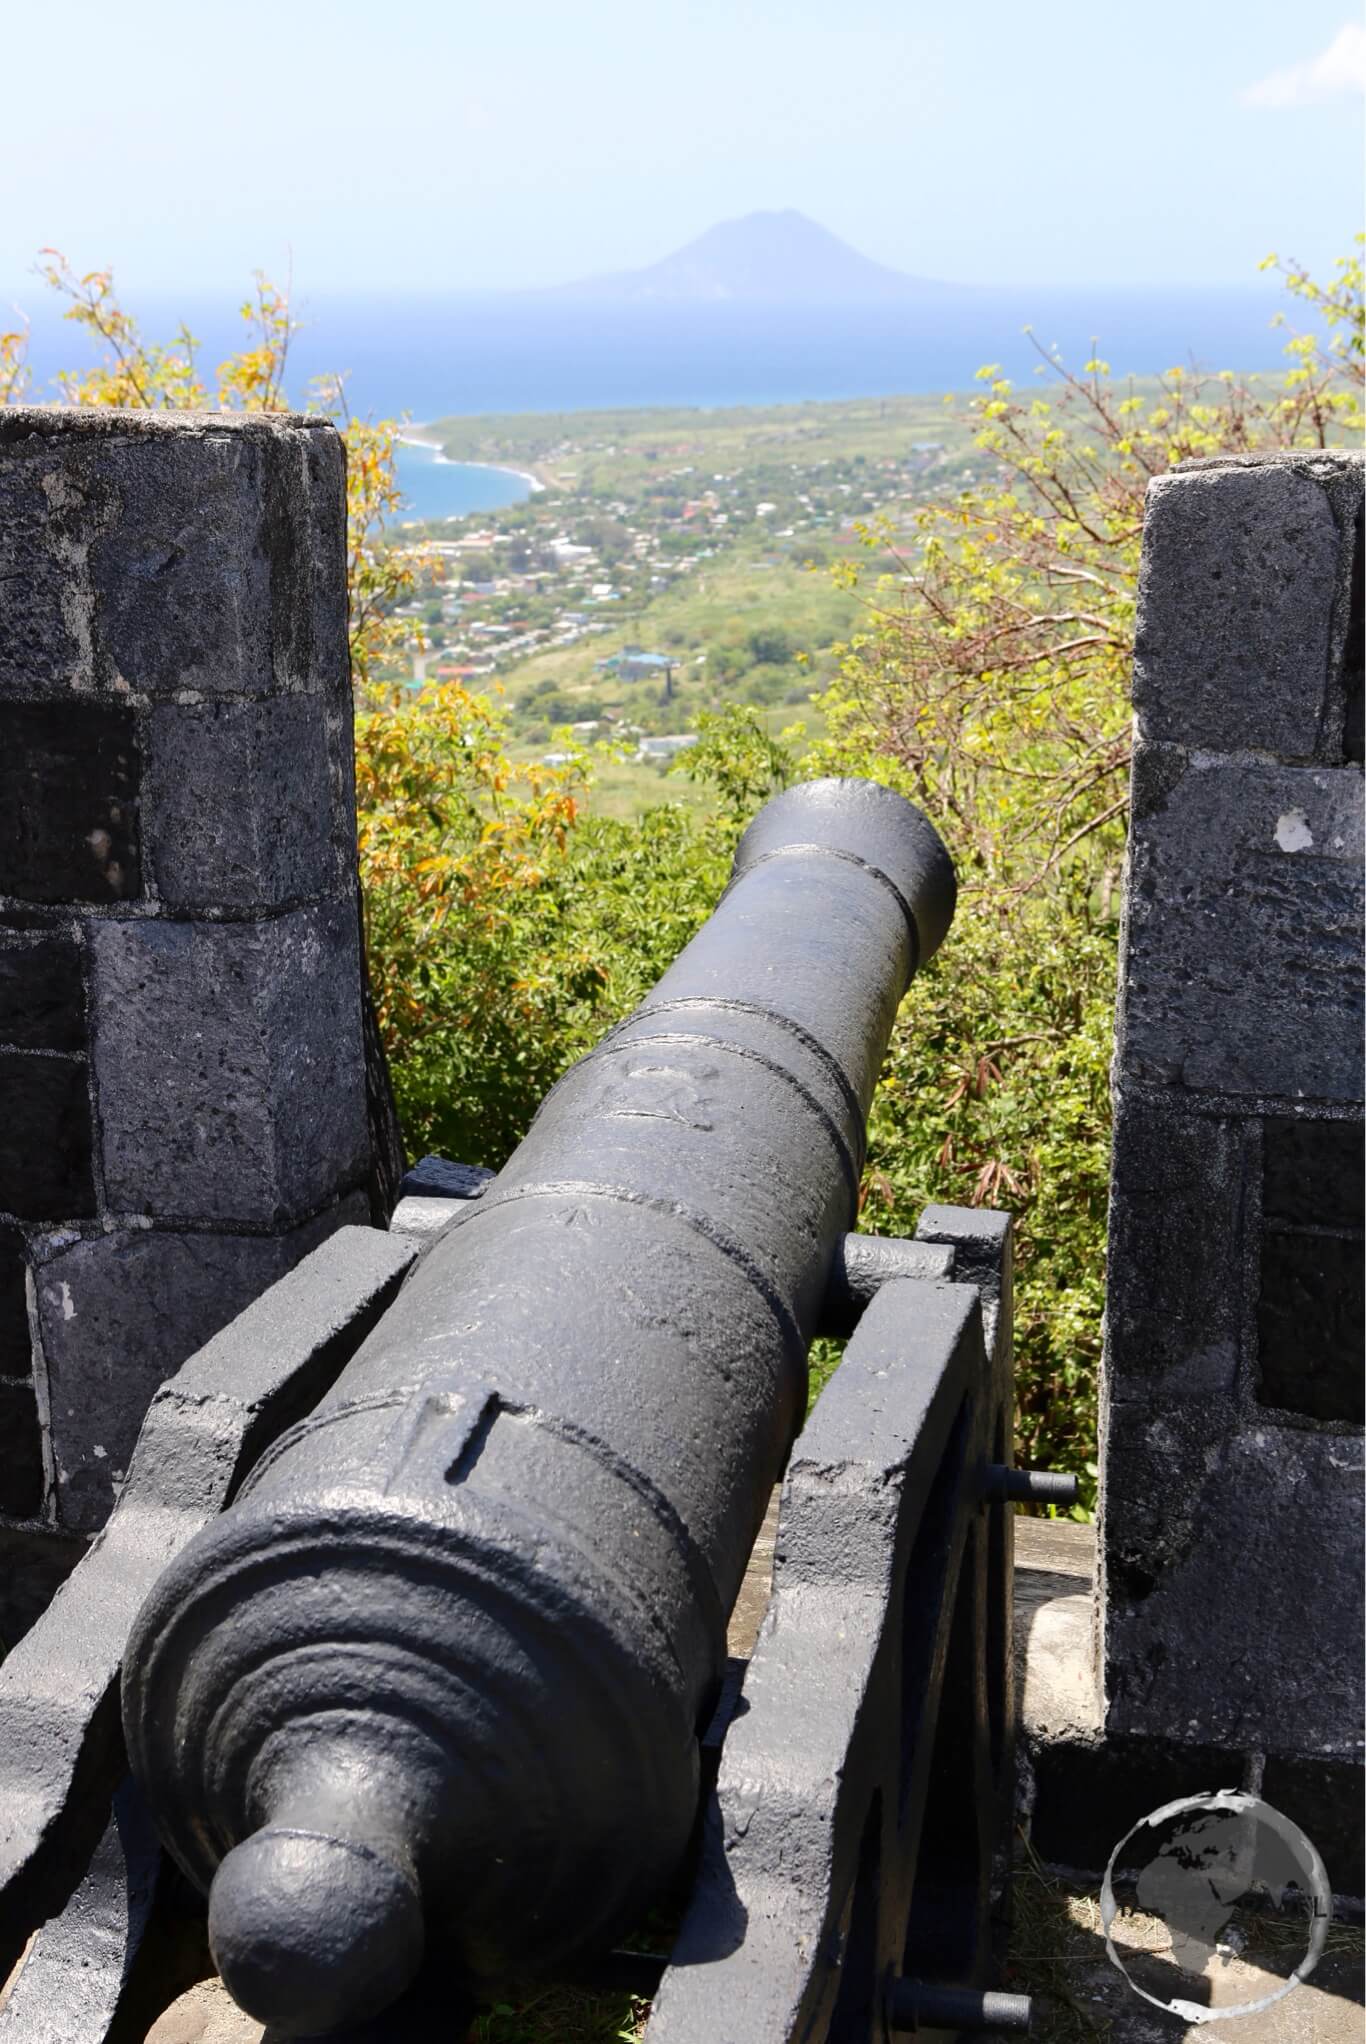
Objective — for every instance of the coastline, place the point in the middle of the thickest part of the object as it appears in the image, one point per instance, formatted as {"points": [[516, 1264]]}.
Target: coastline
{"points": [[411, 438]]}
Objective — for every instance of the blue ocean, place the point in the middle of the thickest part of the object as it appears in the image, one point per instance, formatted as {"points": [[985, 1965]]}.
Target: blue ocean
{"points": [[424, 358], [434, 488]]}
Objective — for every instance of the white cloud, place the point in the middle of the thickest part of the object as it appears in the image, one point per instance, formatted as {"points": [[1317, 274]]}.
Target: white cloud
{"points": [[1339, 69]]}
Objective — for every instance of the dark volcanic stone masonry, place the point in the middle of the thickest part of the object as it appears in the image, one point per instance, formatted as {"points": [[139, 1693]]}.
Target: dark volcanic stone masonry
{"points": [[1231, 1491], [1309, 1317], [42, 992], [45, 1138], [16, 1351], [182, 1055], [246, 1110], [69, 781]]}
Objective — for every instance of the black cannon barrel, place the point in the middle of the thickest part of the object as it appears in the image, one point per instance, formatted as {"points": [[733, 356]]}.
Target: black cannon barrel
{"points": [[436, 1678]]}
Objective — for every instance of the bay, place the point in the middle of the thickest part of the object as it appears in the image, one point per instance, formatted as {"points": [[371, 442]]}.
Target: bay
{"points": [[435, 488]]}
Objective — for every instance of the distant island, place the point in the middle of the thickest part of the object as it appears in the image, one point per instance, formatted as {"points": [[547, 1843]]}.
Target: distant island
{"points": [[763, 259]]}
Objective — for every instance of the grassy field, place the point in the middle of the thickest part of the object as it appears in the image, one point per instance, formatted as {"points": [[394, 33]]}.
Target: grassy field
{"points": [[718, 605], [626, 787], [624, 452]]}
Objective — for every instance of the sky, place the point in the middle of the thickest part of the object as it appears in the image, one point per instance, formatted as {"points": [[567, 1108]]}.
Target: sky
{"points": [[438, 148]]}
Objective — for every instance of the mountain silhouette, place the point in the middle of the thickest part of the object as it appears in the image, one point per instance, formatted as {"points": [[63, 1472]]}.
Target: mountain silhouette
{"points": [[765, 258]]}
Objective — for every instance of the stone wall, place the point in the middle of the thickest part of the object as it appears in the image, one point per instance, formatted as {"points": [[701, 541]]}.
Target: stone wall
{"points": [[182, 1071], [1231, 1446]]}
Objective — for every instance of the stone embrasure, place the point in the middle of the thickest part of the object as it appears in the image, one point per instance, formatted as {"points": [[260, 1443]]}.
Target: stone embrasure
{"points": [[1231, 1481], [182, 1061]]}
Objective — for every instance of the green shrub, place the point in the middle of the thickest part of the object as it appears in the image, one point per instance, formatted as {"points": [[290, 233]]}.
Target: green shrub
{"points": [[508, 929]]}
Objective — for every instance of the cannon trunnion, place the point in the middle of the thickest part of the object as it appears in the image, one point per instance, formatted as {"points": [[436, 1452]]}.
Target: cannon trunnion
{"points": [[438, 1674]]}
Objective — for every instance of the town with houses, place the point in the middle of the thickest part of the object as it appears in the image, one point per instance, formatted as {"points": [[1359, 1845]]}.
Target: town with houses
{"points": [[635, 588]]}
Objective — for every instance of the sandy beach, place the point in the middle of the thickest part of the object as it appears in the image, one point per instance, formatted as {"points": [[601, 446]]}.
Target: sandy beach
{"points": [[412, 436]]}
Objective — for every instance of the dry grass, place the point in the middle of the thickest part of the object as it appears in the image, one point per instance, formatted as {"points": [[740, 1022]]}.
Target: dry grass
{"points": [[1054, 1933], [1057, 1937], [564, 2015]]}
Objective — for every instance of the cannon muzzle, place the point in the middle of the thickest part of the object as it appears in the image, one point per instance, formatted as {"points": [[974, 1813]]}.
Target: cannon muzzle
{"points": [[435, 1680]]}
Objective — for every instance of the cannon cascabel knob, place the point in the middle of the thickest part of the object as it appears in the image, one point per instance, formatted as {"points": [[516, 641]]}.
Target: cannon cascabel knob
{"points": [[309, 1931]]}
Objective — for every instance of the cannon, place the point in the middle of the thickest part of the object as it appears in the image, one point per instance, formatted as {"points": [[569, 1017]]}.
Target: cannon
{"points": [[437, 1676]]}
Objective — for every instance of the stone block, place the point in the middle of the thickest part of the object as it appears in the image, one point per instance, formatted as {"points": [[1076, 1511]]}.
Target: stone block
{"points": [[1089, 1793], [320, 512], [69, 784], [21, 1452], [119, 1313], [1354, 654], [1235, 598], [16, 1349], [1324, 1798], [230, 1066], [156, 553], [303, 535], [42, 651], [311, 978], [181, 577], [42, 993], [208, 577], [1313, 1173], [1311, 1314], [45, 1160], [1174, 1305], [1311, 1309], [238, 803], [1224, 1550], [17, 921], [1241, 972], [1148, 1516]]}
